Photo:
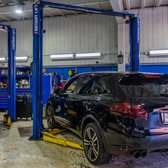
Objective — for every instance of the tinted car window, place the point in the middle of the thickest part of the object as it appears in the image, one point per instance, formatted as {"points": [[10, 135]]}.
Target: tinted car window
{"points": [[101, 86], [109, 84], [145, 86], [146, 90], [71, 86], [82, 82], [86, 86]]}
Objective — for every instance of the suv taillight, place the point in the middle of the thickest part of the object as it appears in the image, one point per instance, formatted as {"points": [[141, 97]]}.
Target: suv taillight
{"points": [[125, 109]]}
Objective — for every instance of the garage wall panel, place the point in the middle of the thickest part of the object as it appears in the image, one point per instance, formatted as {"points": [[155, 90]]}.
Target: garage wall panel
{"points": [[3, 44], [154, 33], [70, 34]]}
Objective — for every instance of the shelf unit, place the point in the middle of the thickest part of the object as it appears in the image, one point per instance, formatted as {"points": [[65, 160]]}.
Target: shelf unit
{"points": [[25, 70], [23, 73]]}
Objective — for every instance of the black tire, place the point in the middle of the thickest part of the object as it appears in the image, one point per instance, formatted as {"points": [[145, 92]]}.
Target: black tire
{"points": [[93, 145], [50, 116]]}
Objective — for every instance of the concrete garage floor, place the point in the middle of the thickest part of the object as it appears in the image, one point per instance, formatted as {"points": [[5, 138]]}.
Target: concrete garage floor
{"points": [[18, 152]]}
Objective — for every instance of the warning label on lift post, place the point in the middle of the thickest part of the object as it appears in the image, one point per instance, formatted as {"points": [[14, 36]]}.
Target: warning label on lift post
{"points": [[36, 19]]}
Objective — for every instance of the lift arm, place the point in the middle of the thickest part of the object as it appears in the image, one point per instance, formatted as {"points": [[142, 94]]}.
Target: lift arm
{"points": [[86, 9]]}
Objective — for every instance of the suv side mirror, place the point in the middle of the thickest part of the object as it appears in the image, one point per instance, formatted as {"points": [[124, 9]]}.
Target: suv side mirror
{"points": [[57, 90]]}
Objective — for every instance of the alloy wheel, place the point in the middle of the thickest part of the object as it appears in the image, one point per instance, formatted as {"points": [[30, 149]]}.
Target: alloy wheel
{"points": [[49, 110], [91, 144]]}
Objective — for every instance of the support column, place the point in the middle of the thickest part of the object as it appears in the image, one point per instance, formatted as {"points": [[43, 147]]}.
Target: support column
{"points": [[12, 73], [121, 45], [37, 71], [134, 44]]}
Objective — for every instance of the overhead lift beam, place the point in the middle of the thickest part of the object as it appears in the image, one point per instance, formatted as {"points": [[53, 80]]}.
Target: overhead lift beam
{"points": [[11, 70], [38, 51]]}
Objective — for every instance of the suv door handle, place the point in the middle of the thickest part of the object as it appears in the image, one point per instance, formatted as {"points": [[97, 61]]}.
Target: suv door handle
{"points": [[86, 103]]}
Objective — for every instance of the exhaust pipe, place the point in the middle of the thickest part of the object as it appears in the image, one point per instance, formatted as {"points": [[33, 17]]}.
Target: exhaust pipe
{"points": [[143, 154], [136, 154]]}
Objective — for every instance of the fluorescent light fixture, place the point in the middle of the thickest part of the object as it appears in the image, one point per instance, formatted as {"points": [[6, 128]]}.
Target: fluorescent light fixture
{"points": [[88, 55], [23, 58], [158, 52], [2, 59], [19, 11], [61, 56]]}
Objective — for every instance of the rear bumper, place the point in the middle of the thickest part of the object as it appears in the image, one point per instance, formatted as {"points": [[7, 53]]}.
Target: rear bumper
{"points": [[118, 143]]}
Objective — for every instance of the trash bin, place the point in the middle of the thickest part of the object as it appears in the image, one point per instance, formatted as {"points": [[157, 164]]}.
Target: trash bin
{"points": [[24, 106]]}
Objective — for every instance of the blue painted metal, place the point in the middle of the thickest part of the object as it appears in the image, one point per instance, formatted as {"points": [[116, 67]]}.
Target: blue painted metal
{"points": [[47, 87], [85, 9], [135, 44], [63, 71], [37, 71], [12, 73], [11, 70], [5, 27], [38, 53], [4, 91]]}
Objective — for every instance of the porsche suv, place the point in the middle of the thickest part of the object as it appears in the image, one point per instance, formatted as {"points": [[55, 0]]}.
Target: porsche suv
{"points": [[113, 113]]}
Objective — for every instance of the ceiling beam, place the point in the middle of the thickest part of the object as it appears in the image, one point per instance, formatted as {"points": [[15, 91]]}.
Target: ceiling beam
{"points": [[74, 12], [92, 3], [46, 11], [14, 17], [5, 18], [10, 10], [117, 5], [143, 3], [60, 12], [158, 3], [128, 4], [6, 2], [27, 16], [99, 6]]}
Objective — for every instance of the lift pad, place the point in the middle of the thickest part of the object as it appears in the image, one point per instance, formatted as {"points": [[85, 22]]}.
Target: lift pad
{"points": [[7, 120], [51, 136]]}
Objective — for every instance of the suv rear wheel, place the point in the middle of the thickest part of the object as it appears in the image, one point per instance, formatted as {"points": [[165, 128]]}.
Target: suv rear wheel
{"points": [[93, 145]]}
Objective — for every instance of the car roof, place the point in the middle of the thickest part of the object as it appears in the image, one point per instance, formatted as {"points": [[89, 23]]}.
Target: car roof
{"points": [[117, 73]]}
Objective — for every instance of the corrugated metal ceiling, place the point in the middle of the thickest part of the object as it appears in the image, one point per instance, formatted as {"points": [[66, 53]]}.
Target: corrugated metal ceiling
{"points": [[7, 7]]}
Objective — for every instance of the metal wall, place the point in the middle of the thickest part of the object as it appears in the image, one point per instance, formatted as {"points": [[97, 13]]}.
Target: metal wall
{"points": [[154, 33], [70, 34], [92, 33]]}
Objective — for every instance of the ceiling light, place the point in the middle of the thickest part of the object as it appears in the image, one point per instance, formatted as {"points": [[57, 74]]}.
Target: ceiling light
{"points": [[19, 11], [158, 52], [24, 58], [61, 56], [2, 59], [88, 55]]}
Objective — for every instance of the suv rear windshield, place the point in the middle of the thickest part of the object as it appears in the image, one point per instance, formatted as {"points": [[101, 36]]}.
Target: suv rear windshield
{"points": [[139, 85]]}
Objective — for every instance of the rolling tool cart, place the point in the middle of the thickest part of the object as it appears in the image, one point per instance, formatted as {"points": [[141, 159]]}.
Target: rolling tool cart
{"points": [[24, 106]]}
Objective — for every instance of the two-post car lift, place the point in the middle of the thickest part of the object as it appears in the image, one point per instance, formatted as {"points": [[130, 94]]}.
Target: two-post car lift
{"points": [[38, 51], [11, 70]]}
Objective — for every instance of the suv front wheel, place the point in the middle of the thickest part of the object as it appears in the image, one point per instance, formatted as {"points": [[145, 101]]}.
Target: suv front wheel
{"points": [[50, 116], [93, 145]]}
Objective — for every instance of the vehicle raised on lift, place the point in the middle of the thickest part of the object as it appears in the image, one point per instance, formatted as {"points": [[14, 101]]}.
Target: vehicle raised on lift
{"points": [[114, 113]]}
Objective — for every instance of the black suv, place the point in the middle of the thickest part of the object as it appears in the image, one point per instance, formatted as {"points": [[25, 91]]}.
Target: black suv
{"points": [[114, 113]]}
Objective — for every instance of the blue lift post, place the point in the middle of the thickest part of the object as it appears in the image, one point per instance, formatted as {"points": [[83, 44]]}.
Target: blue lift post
{"points": [[38, 51], [11, 70], [134, 44]]}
